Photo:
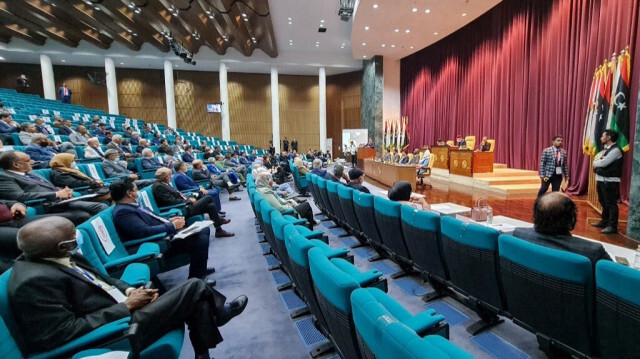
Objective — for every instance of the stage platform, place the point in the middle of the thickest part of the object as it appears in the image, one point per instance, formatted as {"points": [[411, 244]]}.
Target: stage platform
{"points": [[502, 181]]}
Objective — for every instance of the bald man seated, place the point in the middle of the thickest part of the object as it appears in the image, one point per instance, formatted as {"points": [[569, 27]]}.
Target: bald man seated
{"points": [[60, 297], [554, 217]]}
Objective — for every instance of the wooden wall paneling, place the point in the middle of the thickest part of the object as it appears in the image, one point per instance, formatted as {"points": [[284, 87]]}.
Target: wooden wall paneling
{"points": [[299, 110], [343, 106], [193, 91], [250, 108], [10, 72], [84, 92], [141, 94]]}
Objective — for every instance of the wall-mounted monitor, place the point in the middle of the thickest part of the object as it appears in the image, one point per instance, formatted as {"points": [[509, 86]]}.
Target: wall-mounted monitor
{"points": [[214, 107]]}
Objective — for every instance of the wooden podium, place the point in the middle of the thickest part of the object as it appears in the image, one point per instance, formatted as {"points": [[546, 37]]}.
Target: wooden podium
{"points": [[482, 162], [461, 162], [365, 153], [441, 159]]}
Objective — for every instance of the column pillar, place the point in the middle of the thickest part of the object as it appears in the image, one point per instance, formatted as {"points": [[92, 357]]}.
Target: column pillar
{"points": [[633, 226], [224, 98], [170, 93], [112, 86], [48, 83], [323, 108], [275, 109]]}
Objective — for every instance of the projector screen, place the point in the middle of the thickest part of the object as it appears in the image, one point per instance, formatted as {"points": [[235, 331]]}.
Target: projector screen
{"points": [[214, 107], [359, 136]]}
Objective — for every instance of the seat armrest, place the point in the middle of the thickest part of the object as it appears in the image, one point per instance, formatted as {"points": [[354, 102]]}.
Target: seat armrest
{"points": [[147, 239], [146, 252], [171, 213], [294, 220], [328, 251], [424, 322], [136, 274], [363, 278], [288, 211], [36, 202]]}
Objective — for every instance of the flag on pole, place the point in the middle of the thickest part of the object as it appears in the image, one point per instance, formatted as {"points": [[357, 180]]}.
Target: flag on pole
{"points": [[602, 107], [618, 119], [588, 125]]}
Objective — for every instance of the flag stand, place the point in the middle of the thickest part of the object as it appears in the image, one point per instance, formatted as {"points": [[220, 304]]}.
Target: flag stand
{"points": [[592, 192]]}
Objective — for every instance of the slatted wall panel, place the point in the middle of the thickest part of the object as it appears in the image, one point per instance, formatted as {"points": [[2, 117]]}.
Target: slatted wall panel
{"points": [[10, 72], [83, 91], [250, 108], [193, 91], [299, 110], [141, 94], [343, 106]]}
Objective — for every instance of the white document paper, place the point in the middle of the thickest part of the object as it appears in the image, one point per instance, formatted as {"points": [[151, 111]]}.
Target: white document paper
{"points": [[86, 196], [194, 228]]}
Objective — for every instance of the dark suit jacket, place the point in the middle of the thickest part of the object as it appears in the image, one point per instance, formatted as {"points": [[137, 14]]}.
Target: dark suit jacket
{"points": [[22, 188], [65, 131], [67, 179], [184, 182], [165, 195], [358, 187], [39, 153], [132, 223], [150, 163], [187, 157], [592, 250], [42, 129], [5, 128], [53, 304]]}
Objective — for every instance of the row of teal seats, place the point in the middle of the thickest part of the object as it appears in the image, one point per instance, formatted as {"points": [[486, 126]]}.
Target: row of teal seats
{"points": [[498, 274], [300, 182], [328, 281]]}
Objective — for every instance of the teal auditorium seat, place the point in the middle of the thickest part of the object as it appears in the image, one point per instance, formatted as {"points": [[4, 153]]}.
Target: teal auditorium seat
{"points": [[322, 190], [387, 214], [300, 182], [617, 310], [147, 200], [318, 199], [550, 292], [332, 195], [363, 205], [94, 170], [471, 256], [333, 281], [345, 197], [144, 174], [375, 315], [117, 335]]}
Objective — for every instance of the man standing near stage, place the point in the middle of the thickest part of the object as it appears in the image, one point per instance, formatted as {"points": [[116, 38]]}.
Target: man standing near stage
{"points": [[553, 167], [608, 168]]}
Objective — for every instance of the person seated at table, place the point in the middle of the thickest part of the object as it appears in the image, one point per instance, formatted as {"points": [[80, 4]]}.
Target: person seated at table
{"points": [[386, 156], [401, 192], [554, 217], [424, 162], [185, 183], [370, 144], [264, 185], [485, 146], [149, 162], [356, 180], [416, 157], [200, 172], [404, 159], [460, 142], [440, 143], [395, 157]]}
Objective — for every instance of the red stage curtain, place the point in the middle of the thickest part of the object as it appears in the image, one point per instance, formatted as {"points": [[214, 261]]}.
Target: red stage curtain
{"points": [[521, 73]]}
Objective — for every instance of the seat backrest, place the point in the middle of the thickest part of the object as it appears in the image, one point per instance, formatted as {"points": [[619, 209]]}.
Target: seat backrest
{"points": [[322, 189], [93, 170], [332, 194], [320, 201], [44, 173], [147, 200], [277, 224], [101, 232], [422, 234], [493, 144], [333, 290], [8, 346], [387, 214], [450, 143], [617, 309], [550, 291], [471, 142], [8, 328], [345, 196], [363, 205], [471, 256], [432, 159]]}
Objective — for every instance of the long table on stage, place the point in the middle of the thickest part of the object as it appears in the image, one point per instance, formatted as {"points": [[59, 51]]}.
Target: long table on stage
{"points": [[388, 173]]}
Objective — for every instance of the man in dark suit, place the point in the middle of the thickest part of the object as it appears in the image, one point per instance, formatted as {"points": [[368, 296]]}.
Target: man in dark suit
{"points": [[356, 179], [554, 216], [553, 167], [166, 195], [7, 127], [18, 184], [65, 93], [66, 129], [22, 84], [67, 298], [41, 127], [460, 142], [285, 144], [294, 145], [101, 130], [187, 156]]}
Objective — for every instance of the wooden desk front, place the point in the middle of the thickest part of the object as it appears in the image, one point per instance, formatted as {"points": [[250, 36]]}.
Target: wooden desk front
{"points": [[388, 174], [365, 153], [461, 162], [441, 159], [482, 162]]}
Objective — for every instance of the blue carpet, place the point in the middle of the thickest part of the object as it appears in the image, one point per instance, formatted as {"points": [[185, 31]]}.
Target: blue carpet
{"points": [[280, 278], [451, 314], [337, 232], [261, 238], [498, 347], [328, 224], [364, 252], [384, 268], [349, 241], [265, 248], [321, 217], [308, 333], [258, 229], [272, 262], [410, 287], [291, 300]]}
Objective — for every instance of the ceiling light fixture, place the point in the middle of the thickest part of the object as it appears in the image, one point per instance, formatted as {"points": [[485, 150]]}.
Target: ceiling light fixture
{"points": [[1, 58], [289, 19], [364, 44], [407, 31], [317, 45], [290, 23], [322, 21], [384, 45], [375, 6], [60, 60], [435, 33], [464, 14], [397, 30], [366, 27], [244, 15], [122, 63], [246, 19], [415, 9], [321, 25], [393, 46], [427, 11], [411, 47], [364, 56]]}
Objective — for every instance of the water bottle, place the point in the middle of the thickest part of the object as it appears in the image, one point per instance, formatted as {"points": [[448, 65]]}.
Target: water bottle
{"points": [[489, 216], [636, 261]]}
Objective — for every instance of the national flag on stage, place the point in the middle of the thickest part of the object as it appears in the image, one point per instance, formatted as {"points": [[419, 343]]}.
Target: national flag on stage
{"points": [[619, 109], [589, 123], [602, 107]]}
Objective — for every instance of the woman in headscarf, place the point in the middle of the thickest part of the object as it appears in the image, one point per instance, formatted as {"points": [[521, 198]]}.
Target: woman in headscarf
{"points": [[264, 185], [302, 170], [65, 174], [401, 192]]}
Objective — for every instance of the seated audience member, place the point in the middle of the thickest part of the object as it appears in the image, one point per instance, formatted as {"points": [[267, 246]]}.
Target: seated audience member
{"points": [[149, 162], [128, 132], [39, 150], [186, 183], [440, 143], [147, 130], [338, 173], [116, 145], [460, 142], [135, 138], [93, 150], [141, 146], [317, 168], [12, 218], [253, 156], [113, 168], [27, 130], [66, 129], [42, 128], [299, 164], [169, 131], [395, 157], [57, 122], [264, 185], [221, 164], [65, 174], [485, 146], [356, 179], [164, 146], [243, 159], [424, 161], [107, 139], [166, 195], [80, 136], [126, 148], [45, 276], [18, 184], [157, 140], [231, 161], [201, 172], [94, 124], [7, 124], [370, 143], [404, 159], [401, 192], [416, 157], [554, 217], [187, 156], [203, 146], [100, 131], [211, 166], [178, 145]]}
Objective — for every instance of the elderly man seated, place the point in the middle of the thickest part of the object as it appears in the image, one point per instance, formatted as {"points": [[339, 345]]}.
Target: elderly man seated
{"points": [[65, 297], [338, 173], [80, 136], [93, 150], [149, 162], [317, 170], [264, 185], [114, 168], [200, 172]]}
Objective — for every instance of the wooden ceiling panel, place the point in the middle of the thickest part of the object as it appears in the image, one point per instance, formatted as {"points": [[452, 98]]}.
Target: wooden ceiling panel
{"points": [[218, 24]]}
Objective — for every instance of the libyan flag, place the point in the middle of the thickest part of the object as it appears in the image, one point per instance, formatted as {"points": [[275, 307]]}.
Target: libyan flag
{"points": [[619, 110]]}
